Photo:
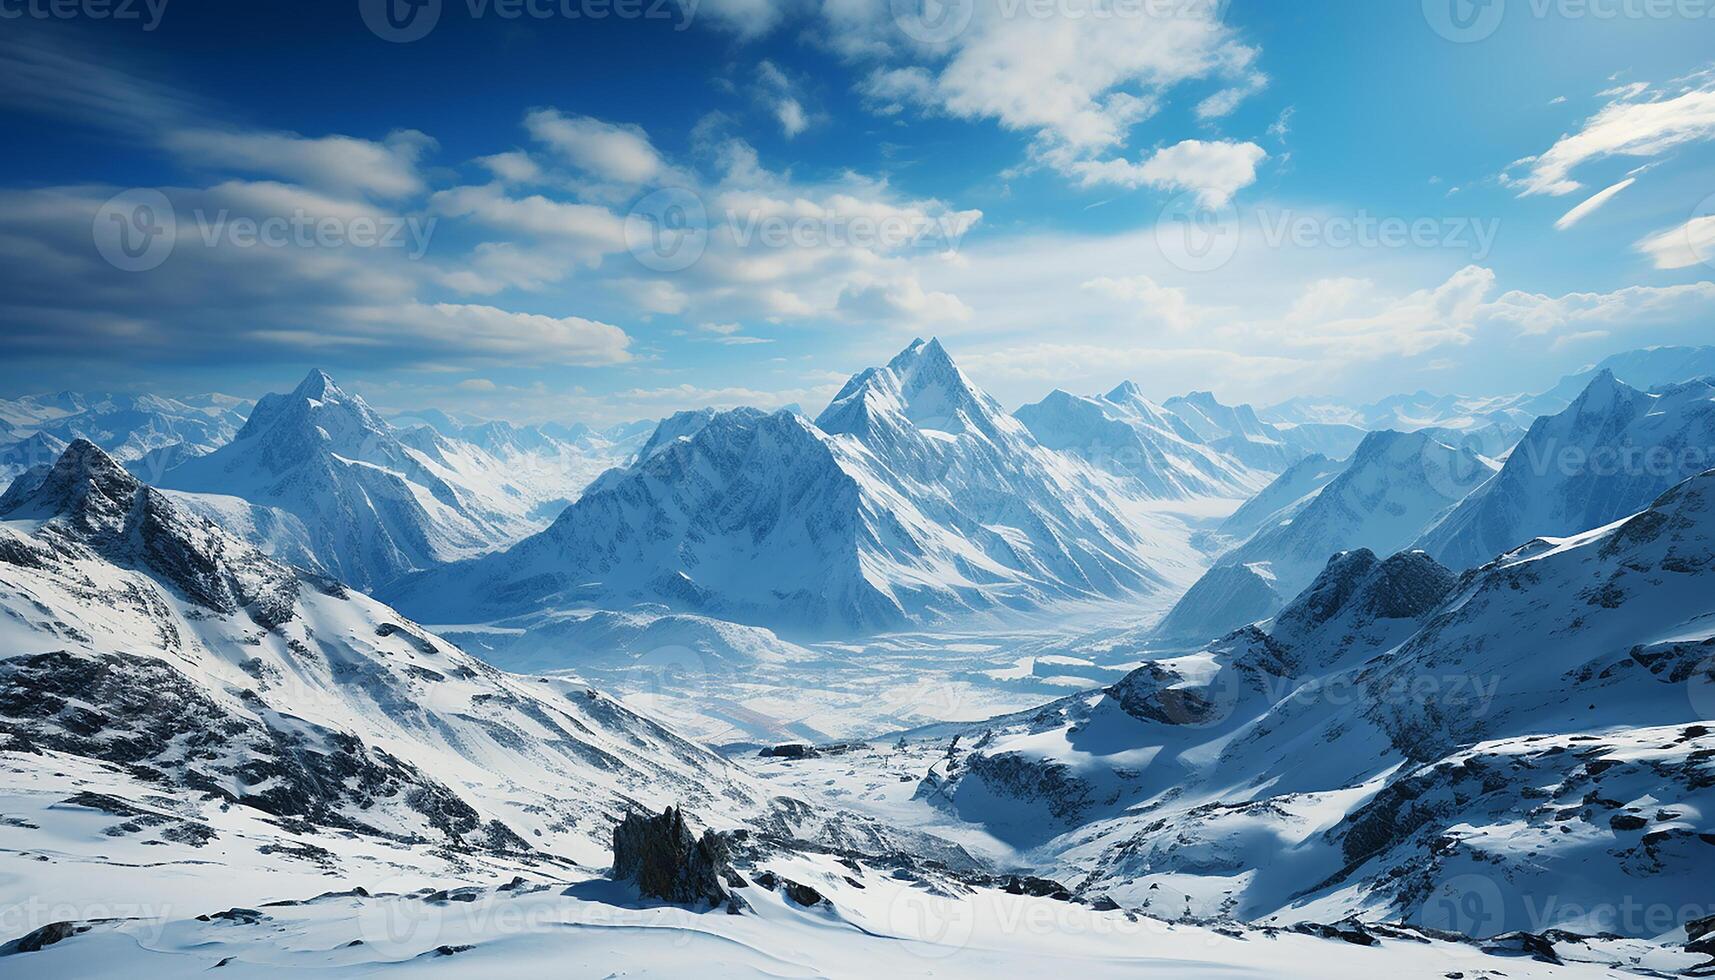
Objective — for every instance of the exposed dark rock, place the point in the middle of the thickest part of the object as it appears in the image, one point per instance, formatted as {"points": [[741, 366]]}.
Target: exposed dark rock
{"points": [[790, 750], [802, 894], [665, 861], [1627, 821], [47, 935]]}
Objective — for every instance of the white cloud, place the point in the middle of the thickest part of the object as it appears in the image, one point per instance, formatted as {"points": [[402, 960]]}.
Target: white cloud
{"points": [[1590, 204], [1327, 298], [1170, 305], [902, 300], [490, 331], [513, 167], [1684, 246], [604, 150], [1625, 127], [1214, 170], [1628, 309], [339, 163], [593, 229], [777, 91]]}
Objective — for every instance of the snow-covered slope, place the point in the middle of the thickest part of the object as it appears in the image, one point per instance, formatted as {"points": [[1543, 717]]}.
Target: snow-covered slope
{"points": [[1606, 456], [1525, 747], [1392, 488], [376, 502], [913, 497], [1125, 434], [1278, 502], [138, 634]]}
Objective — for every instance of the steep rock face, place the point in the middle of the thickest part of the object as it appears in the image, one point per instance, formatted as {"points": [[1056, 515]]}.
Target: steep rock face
{"points": [[1605, 457], [911, 499], [750, 516], [1393, 487]]}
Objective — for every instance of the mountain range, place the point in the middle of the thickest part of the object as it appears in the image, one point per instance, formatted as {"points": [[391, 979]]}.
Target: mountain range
{"points": [[912, 497], [1399, 743], [1394, 486]]}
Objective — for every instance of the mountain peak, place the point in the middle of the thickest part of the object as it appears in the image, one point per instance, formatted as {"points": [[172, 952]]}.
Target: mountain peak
{"points": [[921, 354], [317, 384], [1125, 392], [84, 483]]}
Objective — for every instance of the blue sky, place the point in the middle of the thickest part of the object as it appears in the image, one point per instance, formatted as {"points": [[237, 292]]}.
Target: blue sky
{"points": [[1374, 206]]}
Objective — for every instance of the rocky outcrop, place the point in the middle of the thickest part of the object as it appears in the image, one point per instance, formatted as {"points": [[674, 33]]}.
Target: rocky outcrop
{"points": [[665, 861]]}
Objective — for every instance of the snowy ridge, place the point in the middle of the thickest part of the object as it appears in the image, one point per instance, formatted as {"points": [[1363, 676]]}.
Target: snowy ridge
{"points": [[231, 675], [1542, 727], [375, 502], [913, 497], [1393, 487], [1606, 456], [1127, 435]]}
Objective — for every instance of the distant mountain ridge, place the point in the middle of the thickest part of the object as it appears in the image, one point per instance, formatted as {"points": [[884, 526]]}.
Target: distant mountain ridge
{"points": [[1610, 453], [1394, 486], [911, 497]]}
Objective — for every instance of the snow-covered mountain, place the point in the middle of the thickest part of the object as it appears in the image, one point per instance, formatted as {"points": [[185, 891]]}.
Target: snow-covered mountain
{"points": [[1394, 486], [1125, 434], [911, 498], [550, 463], [148, 433], [186, 723], [376, 502], [1278, 502], [1236, 431], [1507, 750], [28, 453], [137, 634], [1606, 456], [1643, 369]]}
